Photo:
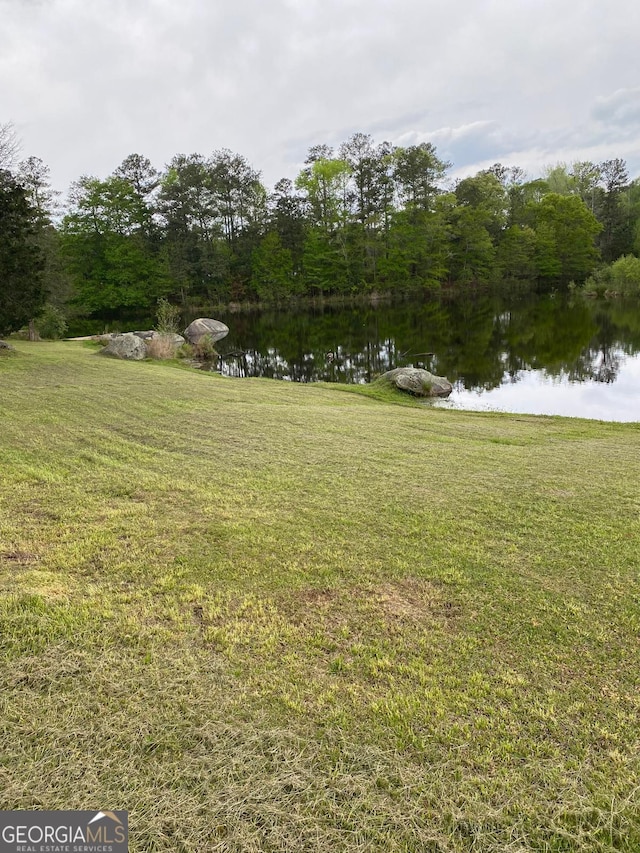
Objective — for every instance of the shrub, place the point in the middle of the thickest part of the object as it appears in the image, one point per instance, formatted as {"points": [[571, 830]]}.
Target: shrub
{"points": [[52, 323], [625, 275], [161, 347], [185, 351], [622, 276], [22, 334], [204, 350], [167, 317], [599, 282]]}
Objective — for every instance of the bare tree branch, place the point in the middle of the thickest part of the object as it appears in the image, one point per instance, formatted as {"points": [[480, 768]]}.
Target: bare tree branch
{"points": [[9, 146]]}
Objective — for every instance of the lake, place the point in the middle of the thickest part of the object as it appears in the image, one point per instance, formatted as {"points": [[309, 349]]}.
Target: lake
{"points": [[540, 355], [553, 354]]}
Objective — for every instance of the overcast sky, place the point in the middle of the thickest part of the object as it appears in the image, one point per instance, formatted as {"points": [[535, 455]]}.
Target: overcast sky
{"points": [[523, 82]]}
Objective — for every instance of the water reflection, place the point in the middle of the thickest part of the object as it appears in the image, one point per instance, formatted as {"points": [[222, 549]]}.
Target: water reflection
{"points": [[536, 392], [551, 354], [487, 344]]}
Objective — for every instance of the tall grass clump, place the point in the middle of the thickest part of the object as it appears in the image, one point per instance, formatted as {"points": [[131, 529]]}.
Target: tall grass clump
{"points": [[162, 347], [204, 349]]}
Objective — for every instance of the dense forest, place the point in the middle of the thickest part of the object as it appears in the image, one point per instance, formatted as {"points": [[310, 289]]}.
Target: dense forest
{"points": [[365, 218]]}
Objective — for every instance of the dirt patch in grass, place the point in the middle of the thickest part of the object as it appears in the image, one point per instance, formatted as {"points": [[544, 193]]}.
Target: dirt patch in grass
{"points": [[20, 558], [412, 599], [407, 600]]}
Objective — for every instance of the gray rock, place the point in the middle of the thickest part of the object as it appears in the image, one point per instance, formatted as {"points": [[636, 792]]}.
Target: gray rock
{"points": [[146, 336], [419, 382], [5, 346], [128, 346], [205, 326]]}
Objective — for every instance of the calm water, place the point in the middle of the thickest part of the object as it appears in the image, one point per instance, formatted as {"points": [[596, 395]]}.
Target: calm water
{"points": [[542, 355]]}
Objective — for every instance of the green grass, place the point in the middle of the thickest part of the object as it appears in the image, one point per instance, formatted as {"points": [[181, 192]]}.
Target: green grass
{"points": [[267, 617]]}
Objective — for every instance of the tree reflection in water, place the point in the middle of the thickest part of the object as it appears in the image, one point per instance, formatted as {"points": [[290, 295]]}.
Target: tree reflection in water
{"points": [[479, 343]]}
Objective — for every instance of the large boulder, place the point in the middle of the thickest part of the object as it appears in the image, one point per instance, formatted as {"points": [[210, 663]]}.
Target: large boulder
{"points": [[205, 326], [128, 346], [419, 382], [5, 347]]}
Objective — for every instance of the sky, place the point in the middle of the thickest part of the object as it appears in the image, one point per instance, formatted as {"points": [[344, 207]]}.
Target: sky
{"points": [[522, 82]]}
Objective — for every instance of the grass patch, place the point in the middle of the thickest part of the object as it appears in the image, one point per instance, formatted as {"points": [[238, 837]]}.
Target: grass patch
{"points": [[380, 389], [262, 616]]}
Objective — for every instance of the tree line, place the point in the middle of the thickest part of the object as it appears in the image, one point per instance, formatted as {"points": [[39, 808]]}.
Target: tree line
{"points": [[361, 218]]}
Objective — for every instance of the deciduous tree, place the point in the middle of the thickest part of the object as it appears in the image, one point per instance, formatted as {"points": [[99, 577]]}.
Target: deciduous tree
{"points": [[104, 241], [565, 238], [9, 146]]}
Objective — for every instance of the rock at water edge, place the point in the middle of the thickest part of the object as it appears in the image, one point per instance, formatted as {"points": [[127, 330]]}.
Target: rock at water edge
{"points": [[205, 326], [419, 382]]}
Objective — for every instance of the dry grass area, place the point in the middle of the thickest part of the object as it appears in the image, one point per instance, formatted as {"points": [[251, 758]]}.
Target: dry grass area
{"points": [[161, 347], [266, 617]]}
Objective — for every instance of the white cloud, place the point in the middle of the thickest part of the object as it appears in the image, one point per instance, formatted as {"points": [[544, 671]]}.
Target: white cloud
{"points": [[621, 108], [87, 83]]}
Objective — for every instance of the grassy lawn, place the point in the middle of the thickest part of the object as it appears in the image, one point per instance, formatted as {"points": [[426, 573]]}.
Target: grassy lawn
{"points": [[267, 617]]}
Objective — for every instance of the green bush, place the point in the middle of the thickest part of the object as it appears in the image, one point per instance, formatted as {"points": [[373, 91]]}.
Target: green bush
{"points": [[622, 276], [599, 282], [185, 351], [625, 275], [204, 349], [167, 317], [52, 323]]}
